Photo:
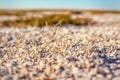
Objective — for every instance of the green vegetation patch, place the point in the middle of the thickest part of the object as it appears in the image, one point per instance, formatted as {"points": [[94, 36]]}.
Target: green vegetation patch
{"points": [[49, 20]]}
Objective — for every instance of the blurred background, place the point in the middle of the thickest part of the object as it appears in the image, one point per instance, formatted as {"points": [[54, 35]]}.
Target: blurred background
{"points": [[50, 12], [61, 4]]}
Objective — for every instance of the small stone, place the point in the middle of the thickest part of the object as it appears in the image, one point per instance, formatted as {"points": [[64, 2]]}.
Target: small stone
{"points": [[1, 54], [72, 59]]}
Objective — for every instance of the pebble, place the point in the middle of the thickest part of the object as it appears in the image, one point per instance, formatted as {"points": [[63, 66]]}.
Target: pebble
{"points": [[1, 55]]}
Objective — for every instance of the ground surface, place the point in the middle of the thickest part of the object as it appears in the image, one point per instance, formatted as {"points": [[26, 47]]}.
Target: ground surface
{"points": [[62, 53]]}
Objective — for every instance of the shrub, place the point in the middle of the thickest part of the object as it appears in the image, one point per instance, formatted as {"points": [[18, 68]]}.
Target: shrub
{"points": [[49, 20]]}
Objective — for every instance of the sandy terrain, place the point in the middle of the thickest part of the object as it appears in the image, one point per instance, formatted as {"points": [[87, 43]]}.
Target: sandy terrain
{"points": [[61, 53], [65, 52]]}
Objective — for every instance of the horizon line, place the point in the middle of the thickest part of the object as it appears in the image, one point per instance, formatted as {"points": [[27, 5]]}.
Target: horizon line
{"points": [[73, 9]]}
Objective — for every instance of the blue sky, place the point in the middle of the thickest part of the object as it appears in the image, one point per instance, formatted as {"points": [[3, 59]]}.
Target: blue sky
{"points": [[60, 4]]}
